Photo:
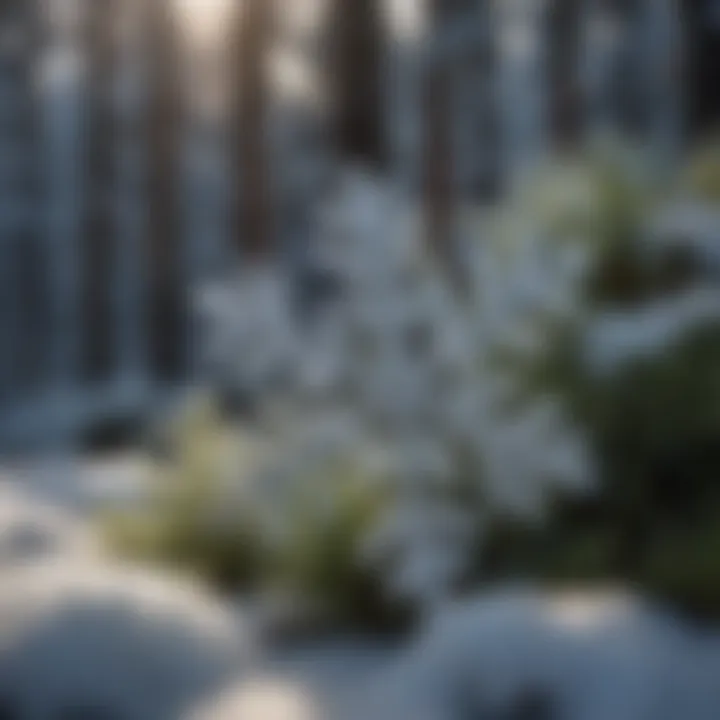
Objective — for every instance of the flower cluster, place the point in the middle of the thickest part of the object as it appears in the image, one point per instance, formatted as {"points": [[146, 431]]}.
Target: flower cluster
{"points": [[412, 374]]}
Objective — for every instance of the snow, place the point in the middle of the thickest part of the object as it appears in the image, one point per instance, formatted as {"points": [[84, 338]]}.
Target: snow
{"points": [[411, 361], [131, 643], [583, 656], [692, 226], [83, 633], [77, 631], [32, 528], [617, 338]]}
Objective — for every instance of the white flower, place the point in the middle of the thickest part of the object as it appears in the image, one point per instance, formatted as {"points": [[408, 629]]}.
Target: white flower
{"points": [[404, 364]]}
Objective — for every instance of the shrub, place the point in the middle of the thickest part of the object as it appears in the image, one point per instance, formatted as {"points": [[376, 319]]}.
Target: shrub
{"points": [[214, 511], [577, 343], [636, 368], [701, 178], [186, 520], [319, 556], [414, 367]]}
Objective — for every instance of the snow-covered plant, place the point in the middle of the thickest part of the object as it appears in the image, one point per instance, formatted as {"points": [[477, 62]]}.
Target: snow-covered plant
{"points": [[251, 338], [636, 365], [701, 178], [404, 365], [196, 514]]}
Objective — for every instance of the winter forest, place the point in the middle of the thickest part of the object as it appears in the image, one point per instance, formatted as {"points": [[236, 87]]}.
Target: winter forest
{"points": [[359, 359]]}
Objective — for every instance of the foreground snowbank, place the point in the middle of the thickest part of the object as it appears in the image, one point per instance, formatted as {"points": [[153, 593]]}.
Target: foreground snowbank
{"points": [[82, 635], [526, 655], [263, 699], [86, 637], [31, 528]]}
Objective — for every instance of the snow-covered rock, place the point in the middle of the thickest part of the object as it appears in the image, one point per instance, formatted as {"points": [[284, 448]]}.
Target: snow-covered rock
{"points": [[80, 637], [31, 528], [525, 654], [261, 699]]}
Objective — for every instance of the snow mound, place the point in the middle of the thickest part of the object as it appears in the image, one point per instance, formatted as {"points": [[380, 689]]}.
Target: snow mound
{"points": [[30, 528], [81, 638], [523, 654], [261, 699]]}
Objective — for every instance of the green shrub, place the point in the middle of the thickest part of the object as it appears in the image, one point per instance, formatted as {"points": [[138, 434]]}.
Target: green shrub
{"points": [[205, 516], [683, 567], [320, 555], [654, 426], [653, 423], [183, 523], [701, 177]]}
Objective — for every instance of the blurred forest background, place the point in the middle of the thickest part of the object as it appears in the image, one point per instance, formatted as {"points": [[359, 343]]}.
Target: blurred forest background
{"points": [[147, 144], [152, 149]]}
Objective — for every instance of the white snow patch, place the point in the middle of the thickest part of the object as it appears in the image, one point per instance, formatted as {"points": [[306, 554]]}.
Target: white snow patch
{"points": [[617, 338], [588, 656], [117, 640]]}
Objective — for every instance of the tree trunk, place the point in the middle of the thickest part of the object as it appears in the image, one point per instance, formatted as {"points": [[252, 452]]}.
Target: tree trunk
{"points": [[357, 68], [251, 46], [437, 163], [438, 167], [168, 301], [564, 38], [21, 273], [98, 243]]}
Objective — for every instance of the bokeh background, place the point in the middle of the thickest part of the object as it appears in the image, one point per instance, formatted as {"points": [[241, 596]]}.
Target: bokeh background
{"points": [[146, 148], [397, 319]]}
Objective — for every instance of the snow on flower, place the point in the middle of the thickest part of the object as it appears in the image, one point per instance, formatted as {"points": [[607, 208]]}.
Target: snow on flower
{"points": [[692, 226], [407, 363], [615, 339]]}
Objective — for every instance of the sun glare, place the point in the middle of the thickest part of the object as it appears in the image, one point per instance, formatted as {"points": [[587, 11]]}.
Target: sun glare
{"points": [[203, 20]]}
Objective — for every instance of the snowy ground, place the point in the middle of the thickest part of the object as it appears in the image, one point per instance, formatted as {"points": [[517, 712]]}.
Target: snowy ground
{"points": [[45, 506], [87, 626]]}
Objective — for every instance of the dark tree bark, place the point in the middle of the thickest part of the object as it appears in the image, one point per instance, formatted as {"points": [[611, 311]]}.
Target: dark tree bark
{"points": [[99, 236], [167, 294], [702, 43], [438, 152], [566, 106], [356, 60], [22, 310], [250, 117], [437, 182]]}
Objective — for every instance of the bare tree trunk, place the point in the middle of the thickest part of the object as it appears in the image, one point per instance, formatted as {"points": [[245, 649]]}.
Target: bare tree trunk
{"points": [[21, 272], [437, 163], [564, 38], [438, 167], [357, 65], [130, 267], [100, 163], [251, 44], [63, 145], [703, 69], [522, 86], [169, 305]]}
